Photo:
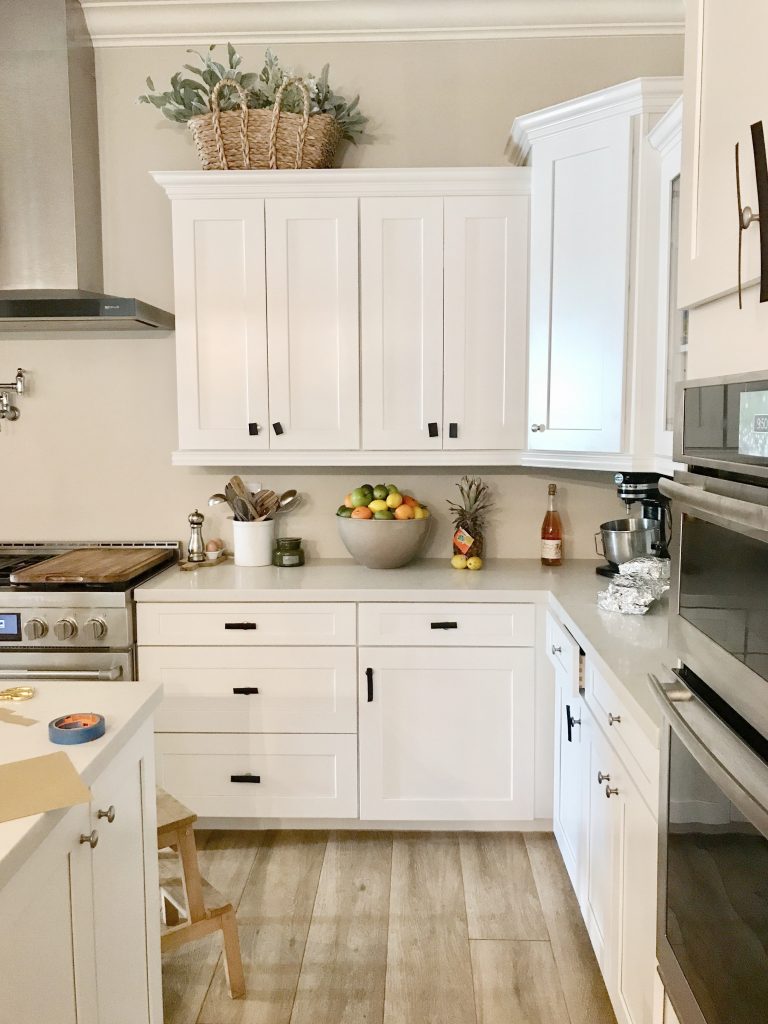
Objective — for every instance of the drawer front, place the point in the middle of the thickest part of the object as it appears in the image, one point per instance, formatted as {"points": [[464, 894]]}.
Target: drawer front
{"points": [[300, 776], [622, 729], [246, 625], [290, 689], [563, 651], [447, 625]]}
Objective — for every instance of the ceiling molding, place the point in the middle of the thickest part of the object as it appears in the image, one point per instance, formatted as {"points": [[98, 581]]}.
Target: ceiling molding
{"points": [[668, 130], [170, 22]]}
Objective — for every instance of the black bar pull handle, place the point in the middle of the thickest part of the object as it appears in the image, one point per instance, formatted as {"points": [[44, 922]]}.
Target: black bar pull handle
{"points": [[761, 178], [253, 429], [570, 721], [245, 689], [453, 430], [239, 625], [443, 625], [432, 429], [369, 677], [277, 427], [245, 778]]}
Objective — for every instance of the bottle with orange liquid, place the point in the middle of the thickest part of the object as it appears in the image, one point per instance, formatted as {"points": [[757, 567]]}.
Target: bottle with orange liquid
{"points": [[552, 533]]}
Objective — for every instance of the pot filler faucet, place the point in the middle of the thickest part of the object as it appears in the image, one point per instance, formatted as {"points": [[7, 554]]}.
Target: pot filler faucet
{"points": [[8, 410]]}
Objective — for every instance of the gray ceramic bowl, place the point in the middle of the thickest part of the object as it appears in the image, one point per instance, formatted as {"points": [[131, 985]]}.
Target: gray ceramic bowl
{"points": [[383, 543]]}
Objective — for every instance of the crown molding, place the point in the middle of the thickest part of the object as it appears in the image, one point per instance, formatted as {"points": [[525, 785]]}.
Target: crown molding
{"points": [[638, 96], [668, 130], [171, 22], [410, 181]]}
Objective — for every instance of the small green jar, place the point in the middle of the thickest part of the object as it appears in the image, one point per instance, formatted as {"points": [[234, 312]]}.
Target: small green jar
{"points": [[288, 552]]}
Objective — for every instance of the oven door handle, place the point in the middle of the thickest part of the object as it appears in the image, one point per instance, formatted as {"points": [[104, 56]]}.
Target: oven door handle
{"points": [[738, 771], [698, 499], [106, 675]]}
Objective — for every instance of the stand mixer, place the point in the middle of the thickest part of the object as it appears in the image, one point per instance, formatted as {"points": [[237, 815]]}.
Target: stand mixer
{"points": [[645, 534]]}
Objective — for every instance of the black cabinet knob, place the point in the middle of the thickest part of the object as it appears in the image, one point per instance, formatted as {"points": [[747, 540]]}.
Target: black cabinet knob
{"points": [[432, 429], [453, 430], [253, 429], [277, 427]]}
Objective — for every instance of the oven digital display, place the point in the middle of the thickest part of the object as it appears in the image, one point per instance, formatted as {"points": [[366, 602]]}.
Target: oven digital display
{"points": [[753, 423], [10, 626]]}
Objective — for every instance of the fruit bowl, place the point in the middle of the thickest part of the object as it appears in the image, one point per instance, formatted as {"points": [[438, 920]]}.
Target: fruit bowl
{"points": [[379, 544]]}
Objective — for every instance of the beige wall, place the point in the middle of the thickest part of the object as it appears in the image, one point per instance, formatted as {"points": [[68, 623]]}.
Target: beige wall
{"points": [[92, 448]]}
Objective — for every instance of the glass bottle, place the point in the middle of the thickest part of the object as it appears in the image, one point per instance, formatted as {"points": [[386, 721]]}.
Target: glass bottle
{"points": [[552, 533]]}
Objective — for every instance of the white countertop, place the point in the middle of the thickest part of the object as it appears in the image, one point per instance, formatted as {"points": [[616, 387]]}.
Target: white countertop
{"points": [[625, 647], [126, 706]]}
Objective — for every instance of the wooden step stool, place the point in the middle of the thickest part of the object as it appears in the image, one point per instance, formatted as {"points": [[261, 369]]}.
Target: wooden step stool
{"points": [[191, 907]]}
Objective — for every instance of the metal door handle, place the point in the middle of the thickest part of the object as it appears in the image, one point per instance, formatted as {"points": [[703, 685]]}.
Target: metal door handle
{"points": [[278, 428], [253, 429], [369, 677], [556, 650], [443, 625], [453, 430], [432, 429], [602, 778], [611, 792], [570, 721], [245, 689], [239, 625], [92, 839], [613, 718], [109, 814], [538, 428], [105, 675], [245, 778]]}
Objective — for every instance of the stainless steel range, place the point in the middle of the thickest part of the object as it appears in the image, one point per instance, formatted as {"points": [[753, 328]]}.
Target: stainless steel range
{"points": [[76, 623]]}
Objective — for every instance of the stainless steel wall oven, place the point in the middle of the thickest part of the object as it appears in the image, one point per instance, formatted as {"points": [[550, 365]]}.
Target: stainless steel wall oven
{"points": [[712, 937]]}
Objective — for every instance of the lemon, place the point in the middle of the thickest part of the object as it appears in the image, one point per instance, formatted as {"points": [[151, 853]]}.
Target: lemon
{"points": [[378, 505], [474, 562], [394, 500], [420, 513], [459, 561]]}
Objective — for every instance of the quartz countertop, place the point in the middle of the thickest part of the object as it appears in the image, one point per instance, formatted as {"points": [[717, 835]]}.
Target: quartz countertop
{"points": [[125, 706], [624, 647]]}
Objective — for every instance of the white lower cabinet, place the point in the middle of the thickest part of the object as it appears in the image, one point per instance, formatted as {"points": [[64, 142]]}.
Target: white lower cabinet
{"points": [[446, 734], [569, 817], [81, 922], [600, 897]]}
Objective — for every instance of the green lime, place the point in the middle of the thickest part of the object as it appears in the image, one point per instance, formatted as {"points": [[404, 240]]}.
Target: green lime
{"points": [[360, 497], [366, 487], [393, 489], [386, 514], [342, 510], [380, 492]]}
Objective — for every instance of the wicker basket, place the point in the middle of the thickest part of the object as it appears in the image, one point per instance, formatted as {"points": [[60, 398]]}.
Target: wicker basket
{"points": [[261, 139]]}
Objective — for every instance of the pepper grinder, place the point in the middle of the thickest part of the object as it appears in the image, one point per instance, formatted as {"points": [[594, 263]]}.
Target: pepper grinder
{"points": [[196, 546]]}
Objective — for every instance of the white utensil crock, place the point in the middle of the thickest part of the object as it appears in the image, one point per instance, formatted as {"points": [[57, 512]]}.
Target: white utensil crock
{"points": [[254, 542]]}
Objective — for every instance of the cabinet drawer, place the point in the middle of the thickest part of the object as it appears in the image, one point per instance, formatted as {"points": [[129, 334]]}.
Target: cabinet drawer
{"points": [[292, 689], [447, 625], [245, 625], [626, 735], [300, 776], [563, 651]]}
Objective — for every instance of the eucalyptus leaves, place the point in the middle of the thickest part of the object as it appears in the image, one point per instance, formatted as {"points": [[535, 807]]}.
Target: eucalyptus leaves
{"points": [[188, 96]]}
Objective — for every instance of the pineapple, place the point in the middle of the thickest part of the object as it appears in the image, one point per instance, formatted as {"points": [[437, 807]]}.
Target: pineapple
{"points": [[471, 513]]}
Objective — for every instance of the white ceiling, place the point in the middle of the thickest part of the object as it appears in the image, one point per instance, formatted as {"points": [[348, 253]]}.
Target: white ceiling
{"points": [[158, 22]]}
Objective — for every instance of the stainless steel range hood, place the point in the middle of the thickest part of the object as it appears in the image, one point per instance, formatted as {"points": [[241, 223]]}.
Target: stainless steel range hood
{"points": [[51, 276]]}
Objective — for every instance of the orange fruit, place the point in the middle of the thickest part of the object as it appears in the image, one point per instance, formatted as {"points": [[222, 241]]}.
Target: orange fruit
{"points": [[404, 512], [408, 500], [362, 512], [348, 501]]}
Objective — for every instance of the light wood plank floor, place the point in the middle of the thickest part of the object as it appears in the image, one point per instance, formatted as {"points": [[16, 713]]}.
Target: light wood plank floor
{"points": [[383, 928]]}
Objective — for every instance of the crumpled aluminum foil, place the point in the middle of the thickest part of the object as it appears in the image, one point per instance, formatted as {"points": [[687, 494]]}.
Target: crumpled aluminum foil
{"points": [[640, 582]]}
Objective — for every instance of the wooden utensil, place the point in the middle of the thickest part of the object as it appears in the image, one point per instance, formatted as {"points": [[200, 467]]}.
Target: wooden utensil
{"points": [[238, 486]]}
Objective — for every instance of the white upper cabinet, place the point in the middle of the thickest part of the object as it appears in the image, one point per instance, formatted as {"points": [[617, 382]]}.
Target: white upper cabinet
{"points": [[312, 323], [221, 324], [724, 96], [401, 315], [589, 239], [486, 321]]}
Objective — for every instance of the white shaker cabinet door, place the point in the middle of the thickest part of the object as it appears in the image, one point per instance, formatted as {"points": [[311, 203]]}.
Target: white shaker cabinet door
{"points": [[571, 767], [221, 326], [724, 95], [580, 232], [446, 734], [401, 316], [600, 896], [313, 330], [486, 321]]}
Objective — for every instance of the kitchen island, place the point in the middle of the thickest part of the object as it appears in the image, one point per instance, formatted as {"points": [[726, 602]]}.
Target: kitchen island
{"points": [[79, 895]]}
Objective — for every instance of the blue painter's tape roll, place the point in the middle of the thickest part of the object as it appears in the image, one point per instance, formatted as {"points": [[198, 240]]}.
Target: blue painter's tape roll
{"points": [[79, 728]]}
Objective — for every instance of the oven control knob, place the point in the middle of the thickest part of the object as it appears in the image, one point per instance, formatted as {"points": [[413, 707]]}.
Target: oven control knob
{"points": [[95, 629], [65, 629], [35, 629]]}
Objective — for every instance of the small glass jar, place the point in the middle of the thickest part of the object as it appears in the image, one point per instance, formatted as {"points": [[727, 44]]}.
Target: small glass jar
{"points": [[288, 552]]}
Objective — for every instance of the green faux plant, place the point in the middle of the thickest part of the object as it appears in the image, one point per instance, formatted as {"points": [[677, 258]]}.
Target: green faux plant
{"points": [[191, 96]]}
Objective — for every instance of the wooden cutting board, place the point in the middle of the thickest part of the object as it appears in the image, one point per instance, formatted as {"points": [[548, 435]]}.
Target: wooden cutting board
{"points": [[93, 565]]}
